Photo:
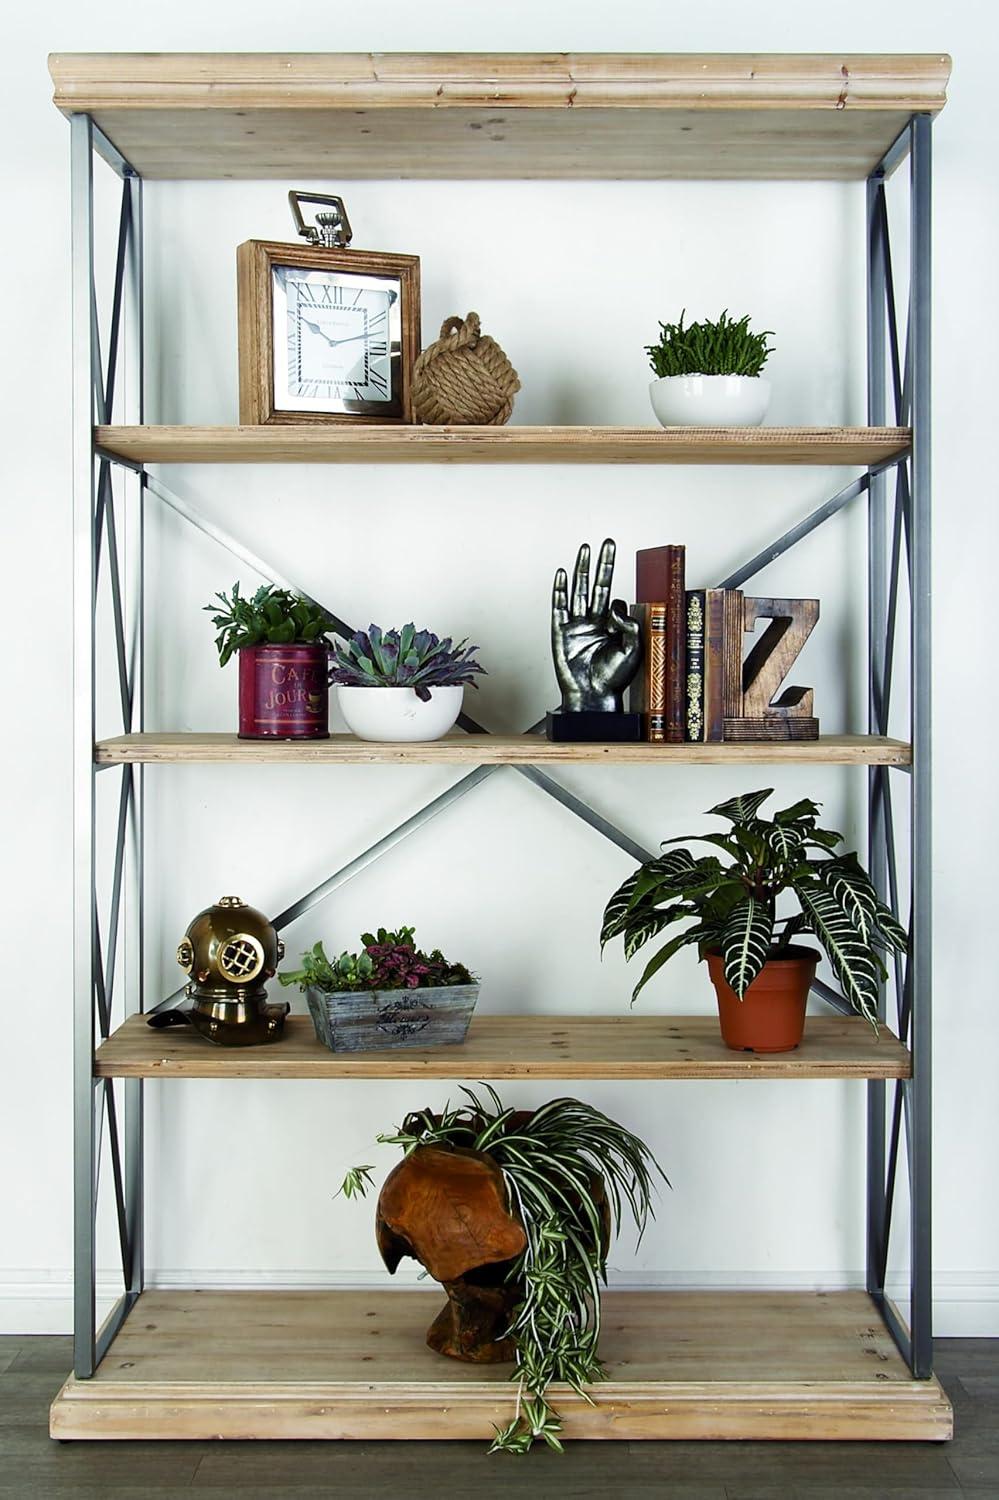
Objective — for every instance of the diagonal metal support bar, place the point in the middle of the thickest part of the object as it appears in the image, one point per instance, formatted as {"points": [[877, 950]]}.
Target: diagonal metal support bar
{"points": [[418, 820], [114, 1141], [891, 308], [124, 808], [832, 997], [118, 614], [112, 1324], [106, 408], [804, 528], [583, 810], [259, 565]]}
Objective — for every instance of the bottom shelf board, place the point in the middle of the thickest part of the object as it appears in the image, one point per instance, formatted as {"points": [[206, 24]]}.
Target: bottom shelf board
{"points": [[335, 1364]]}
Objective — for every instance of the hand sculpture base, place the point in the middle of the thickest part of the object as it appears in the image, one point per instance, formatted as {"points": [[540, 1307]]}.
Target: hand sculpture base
{"points": [[591, 726]]}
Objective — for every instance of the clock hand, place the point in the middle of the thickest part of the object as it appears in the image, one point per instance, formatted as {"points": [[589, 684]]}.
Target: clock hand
{"points": [[333, 343], [315, 328]]}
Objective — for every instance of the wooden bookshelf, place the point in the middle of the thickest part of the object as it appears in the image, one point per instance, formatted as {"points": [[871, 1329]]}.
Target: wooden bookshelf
{"points": [[332, 116], [341, 1364], [504, 445], [620, 1047], [460, 749], [332, 1364]]}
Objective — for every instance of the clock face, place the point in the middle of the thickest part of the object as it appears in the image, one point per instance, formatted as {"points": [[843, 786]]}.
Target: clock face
{"points": [[336, 342]]}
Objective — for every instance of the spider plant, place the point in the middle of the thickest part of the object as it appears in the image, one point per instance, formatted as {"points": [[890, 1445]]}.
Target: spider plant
{"points": [[551, 1161], [733, 906]]}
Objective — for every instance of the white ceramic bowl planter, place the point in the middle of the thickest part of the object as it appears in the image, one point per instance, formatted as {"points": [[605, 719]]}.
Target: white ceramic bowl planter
{"points": [[396, 714], [710, 400]]}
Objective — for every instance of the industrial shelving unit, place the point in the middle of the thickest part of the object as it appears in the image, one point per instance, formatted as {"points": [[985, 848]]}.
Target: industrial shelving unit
{"points": [[353, 1364]]}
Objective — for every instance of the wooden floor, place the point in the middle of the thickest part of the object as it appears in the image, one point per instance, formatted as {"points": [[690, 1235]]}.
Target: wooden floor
{"points": [[32, 1467]]}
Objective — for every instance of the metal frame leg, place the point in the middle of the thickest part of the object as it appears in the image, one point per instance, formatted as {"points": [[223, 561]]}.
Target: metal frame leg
{"points": [[876, 624], [84, 868], [921, 1310], [95, 957], [910, 385]]}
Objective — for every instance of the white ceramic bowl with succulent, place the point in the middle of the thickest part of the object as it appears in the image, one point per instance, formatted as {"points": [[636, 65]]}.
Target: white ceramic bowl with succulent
{"points": [[708, 374], [402, 686]]}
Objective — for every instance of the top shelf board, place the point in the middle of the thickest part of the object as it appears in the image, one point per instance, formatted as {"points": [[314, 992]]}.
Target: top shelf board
{"points": [[379, 443], [335, 116]]}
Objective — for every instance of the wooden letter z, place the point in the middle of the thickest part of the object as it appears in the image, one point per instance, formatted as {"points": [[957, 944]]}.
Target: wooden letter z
{"points": [[774, 654]]}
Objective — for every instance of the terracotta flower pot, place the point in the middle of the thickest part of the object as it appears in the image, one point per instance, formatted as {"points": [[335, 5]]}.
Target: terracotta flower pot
{"points": [[284, 692], [770, 1017]]}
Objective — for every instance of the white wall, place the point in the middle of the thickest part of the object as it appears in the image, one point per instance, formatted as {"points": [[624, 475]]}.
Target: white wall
{"points": [[767, 1184]]}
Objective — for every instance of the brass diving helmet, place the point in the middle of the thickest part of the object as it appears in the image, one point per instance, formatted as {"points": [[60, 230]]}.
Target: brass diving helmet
{"points": [[229, 951]]}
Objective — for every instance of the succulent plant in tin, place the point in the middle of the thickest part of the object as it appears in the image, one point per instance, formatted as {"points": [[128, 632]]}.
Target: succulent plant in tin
{"points": [[408, 657], [271, 617]]}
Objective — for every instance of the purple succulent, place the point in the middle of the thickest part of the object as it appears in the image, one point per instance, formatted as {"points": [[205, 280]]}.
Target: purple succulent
{"points": [[404, 658]]}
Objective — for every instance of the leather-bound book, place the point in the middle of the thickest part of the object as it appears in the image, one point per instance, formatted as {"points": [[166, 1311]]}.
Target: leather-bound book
{"points": [[660, 576]]}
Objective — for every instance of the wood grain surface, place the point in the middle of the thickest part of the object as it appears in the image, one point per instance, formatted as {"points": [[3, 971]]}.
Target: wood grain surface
{"points": [[490, 749], [500, 115], [623, 1046], [312, 444], [355, 1365]]}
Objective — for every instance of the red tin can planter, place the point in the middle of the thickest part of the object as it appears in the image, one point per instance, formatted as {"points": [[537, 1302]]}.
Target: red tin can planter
{"points": [[284, 693]]}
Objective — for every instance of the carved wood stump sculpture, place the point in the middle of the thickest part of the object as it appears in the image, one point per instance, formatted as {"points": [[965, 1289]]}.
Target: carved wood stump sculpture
{"points": [[449, 1208]]}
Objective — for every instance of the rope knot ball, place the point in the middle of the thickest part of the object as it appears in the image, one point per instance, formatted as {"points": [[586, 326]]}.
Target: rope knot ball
{"points": [[464, 378]]}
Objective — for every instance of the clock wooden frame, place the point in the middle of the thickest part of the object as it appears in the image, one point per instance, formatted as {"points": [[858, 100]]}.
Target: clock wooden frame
{"points": [[255, 261]]}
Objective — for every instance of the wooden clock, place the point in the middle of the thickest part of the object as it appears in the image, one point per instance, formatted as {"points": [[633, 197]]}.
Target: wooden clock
{"points": [[326, 333]]}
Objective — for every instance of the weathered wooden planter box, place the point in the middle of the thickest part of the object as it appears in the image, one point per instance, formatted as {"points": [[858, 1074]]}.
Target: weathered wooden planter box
{"points": [[368, 1020]]}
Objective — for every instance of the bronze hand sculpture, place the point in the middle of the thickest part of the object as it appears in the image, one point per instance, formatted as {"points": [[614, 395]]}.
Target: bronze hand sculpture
{"points": [[595, 643]]}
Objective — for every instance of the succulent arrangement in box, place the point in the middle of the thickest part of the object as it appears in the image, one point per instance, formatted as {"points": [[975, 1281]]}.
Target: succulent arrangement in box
{"points": [[708, 374], [283, 643], [420, 678], [390, 994], [514, 1211], [760, 978]]}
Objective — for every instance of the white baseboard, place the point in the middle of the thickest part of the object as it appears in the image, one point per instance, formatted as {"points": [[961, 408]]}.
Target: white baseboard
{"points": [[966, 1304]]}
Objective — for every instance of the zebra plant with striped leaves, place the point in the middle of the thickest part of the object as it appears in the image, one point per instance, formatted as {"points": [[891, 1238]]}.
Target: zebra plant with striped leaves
{"points": [[732, 907]]}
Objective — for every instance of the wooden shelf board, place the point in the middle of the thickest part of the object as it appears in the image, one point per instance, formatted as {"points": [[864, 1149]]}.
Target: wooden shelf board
{"points": [[622, 1046], [500, 115], [492, 749], [310, 444], [322, 1364]]}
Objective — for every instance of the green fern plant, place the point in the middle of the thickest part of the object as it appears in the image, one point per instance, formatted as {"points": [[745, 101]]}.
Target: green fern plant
{"points": [[733, 906], [724, 347]]}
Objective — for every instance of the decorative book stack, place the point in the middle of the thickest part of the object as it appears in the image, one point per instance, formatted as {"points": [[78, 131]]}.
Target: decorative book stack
{"points": [[696, 683]]}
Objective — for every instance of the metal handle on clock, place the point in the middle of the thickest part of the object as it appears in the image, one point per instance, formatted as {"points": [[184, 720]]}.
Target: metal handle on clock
{"points": [[333, 231]]}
